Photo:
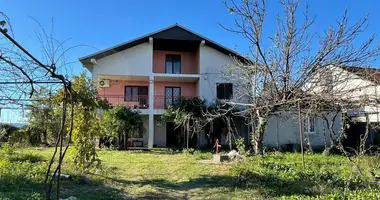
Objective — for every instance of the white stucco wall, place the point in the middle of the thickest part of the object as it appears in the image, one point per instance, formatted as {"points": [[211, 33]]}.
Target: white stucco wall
{"points": [[159, 132], [212, 63], [349, 86], [137, 60], [285, 130], [341, 83], [146, 127]]}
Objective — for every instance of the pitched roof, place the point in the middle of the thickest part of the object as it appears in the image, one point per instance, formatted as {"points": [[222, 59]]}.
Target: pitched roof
{"points": [[371, 74], [174, 32]]}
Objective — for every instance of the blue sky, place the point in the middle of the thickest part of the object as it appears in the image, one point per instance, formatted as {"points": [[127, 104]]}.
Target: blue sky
{"points": [[101, 24]]}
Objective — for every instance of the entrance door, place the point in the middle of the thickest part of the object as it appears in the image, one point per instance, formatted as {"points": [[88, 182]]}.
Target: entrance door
{"points": [[173, 136]]}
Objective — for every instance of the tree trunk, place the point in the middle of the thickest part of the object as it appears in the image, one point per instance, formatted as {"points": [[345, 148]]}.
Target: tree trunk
{"points": [[125, 141], [120, 136], [342, 131], [330, 127], [258, 134], [229, 133], [45, 136], [363, 139], [324, 135]]}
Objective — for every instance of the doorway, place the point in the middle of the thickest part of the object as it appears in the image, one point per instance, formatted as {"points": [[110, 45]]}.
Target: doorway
{"points": [[173, 136]]}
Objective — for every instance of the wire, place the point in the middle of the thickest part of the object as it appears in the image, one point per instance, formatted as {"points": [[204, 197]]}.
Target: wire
{"points": [[28, 82], [22, 99]]}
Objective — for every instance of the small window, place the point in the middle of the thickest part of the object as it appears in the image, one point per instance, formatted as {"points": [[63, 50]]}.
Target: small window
{"points": [[173, 64], [309, 124], [224, 91]]}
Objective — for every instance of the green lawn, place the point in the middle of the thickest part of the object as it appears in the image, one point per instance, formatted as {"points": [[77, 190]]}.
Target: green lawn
{"points": [[170, 175]]}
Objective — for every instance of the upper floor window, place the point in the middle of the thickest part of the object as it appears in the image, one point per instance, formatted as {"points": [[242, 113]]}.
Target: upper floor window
{"points": [[173, 64], [224, 90], [309, 124]]}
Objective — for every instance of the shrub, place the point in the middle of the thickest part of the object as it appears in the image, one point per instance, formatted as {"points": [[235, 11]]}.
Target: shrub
{"points": [[29, 157], [17, 174], [241, 146], [8, 149], [36, 196], [189, 151], [282, 175], [358, 194]]}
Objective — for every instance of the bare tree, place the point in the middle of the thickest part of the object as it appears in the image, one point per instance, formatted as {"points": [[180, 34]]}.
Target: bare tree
{"points": [[282, 69], [22, 75]]}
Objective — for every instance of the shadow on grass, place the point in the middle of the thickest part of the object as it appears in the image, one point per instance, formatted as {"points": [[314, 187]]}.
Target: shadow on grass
{"points": [[202, 182], [274, 186], [204, 186], [18, 187], [268, 186]]}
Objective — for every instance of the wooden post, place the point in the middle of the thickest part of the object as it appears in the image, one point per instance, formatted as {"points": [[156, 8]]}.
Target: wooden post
{"points": [[301, 134]]}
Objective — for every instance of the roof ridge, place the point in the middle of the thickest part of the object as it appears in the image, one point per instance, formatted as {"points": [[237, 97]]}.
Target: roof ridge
{"points": [[142, 38]]}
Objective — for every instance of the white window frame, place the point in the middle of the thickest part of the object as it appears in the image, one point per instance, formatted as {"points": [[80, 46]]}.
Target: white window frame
{"points": [[307, 125]]}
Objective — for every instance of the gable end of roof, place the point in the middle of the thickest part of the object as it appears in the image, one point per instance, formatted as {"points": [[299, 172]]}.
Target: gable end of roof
{"points": [[174, 32]]}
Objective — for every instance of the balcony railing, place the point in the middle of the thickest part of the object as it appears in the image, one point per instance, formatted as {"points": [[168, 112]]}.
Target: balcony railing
{"points": [[163, 102], [142, 101], [135, 102]]}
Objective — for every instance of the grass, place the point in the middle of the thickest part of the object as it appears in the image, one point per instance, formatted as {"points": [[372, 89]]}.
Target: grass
{"points": [[173, 175]]}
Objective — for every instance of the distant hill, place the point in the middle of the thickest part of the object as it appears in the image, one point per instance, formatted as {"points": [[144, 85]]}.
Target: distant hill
{"points": [[17, 124]]}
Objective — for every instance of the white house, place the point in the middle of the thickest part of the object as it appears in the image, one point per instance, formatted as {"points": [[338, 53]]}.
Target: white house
{"points": [[148, 73]]}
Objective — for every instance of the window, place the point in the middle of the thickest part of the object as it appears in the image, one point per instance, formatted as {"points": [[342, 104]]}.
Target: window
{"points": [[309, 124], [224, 91], [173, 64], [136, 94], [172, 94]]}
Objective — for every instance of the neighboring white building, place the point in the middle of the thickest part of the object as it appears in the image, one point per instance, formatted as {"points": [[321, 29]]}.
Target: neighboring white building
{"points": [[150, 72], [283, 129], [358, 85]]}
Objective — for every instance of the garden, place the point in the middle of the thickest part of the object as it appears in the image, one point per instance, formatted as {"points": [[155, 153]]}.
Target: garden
{"points": [[168, 174]]}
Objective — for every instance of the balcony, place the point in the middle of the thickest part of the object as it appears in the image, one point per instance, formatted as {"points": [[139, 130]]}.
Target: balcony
{"points": [[142, 101], [134, 102], [163, 102]]}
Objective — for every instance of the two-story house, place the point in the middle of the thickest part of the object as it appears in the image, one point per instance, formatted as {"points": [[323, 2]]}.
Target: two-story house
{"points": [[150, 72]]}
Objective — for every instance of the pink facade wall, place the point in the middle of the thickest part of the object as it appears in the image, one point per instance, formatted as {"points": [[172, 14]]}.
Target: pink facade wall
{"points": [[115, 93], [188, 89], [117, 87], [189, 61]]}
